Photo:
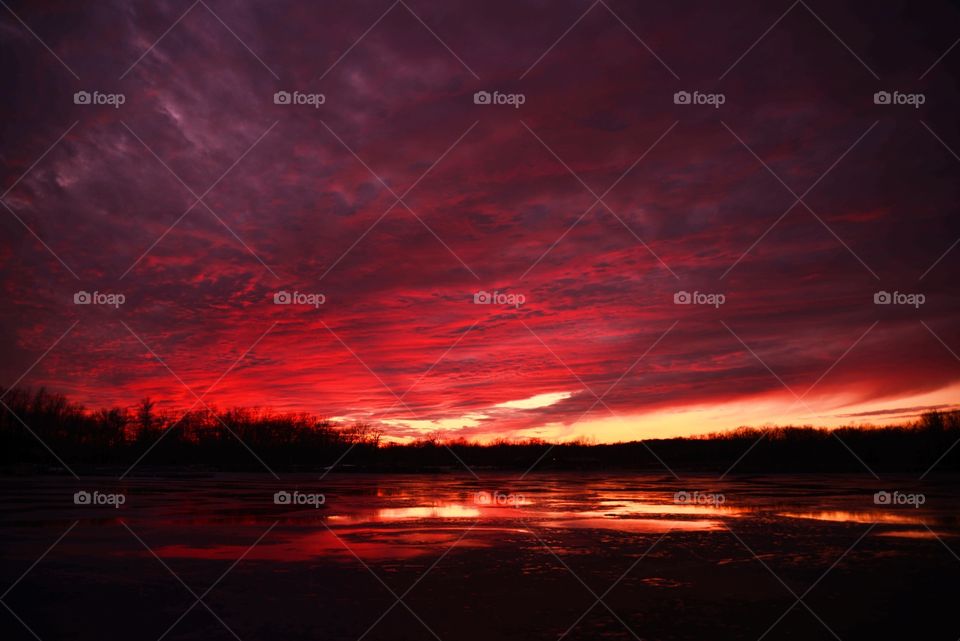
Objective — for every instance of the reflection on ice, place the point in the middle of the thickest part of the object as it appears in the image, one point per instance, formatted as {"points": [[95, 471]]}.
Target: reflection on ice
{"points": [[626, 508], [403, 517], [490, 557], [913, 534], [846, 516], [428, 512]]}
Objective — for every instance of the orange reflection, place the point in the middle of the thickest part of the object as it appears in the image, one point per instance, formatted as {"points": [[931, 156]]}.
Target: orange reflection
{"points": [[845, 516], [912, 534], [626, 508], [452, 511]]}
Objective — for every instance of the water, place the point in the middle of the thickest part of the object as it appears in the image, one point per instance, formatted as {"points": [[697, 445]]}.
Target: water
{"points": [[498, 558]]}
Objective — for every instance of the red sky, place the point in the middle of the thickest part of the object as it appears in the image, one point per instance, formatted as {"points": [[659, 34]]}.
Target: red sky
{"points": [[494, 198]]}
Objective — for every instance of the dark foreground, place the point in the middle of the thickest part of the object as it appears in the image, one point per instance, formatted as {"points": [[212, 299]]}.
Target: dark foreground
{"points": [[587, 556]]}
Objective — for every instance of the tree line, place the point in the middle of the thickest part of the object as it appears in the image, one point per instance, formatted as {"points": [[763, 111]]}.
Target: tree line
{"points": [[233, 439]]}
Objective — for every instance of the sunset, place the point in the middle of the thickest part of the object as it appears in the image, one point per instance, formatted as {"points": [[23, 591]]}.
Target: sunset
{"points": [[505, 277]]}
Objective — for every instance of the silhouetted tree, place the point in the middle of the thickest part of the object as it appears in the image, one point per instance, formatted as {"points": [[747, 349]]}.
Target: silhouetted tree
{"points": [[31, 421], [145, 414]]}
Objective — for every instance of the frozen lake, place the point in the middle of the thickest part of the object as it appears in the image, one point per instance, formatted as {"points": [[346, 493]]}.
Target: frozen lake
{"points": [[499, 558]]}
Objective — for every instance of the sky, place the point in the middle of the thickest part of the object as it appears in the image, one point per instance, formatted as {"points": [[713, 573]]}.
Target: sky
{"points": [[513, 268]]}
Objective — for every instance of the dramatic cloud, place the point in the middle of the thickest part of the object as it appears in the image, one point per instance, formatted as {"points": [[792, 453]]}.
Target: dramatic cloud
{"points": [[485, 269]]}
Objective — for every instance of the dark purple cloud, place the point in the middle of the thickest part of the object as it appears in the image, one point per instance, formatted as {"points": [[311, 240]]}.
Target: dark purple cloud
{"points": [[494, 198]]}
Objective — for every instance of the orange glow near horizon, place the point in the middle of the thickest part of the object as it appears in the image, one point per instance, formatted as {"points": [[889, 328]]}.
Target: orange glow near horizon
{"points": [[776, 409]]}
